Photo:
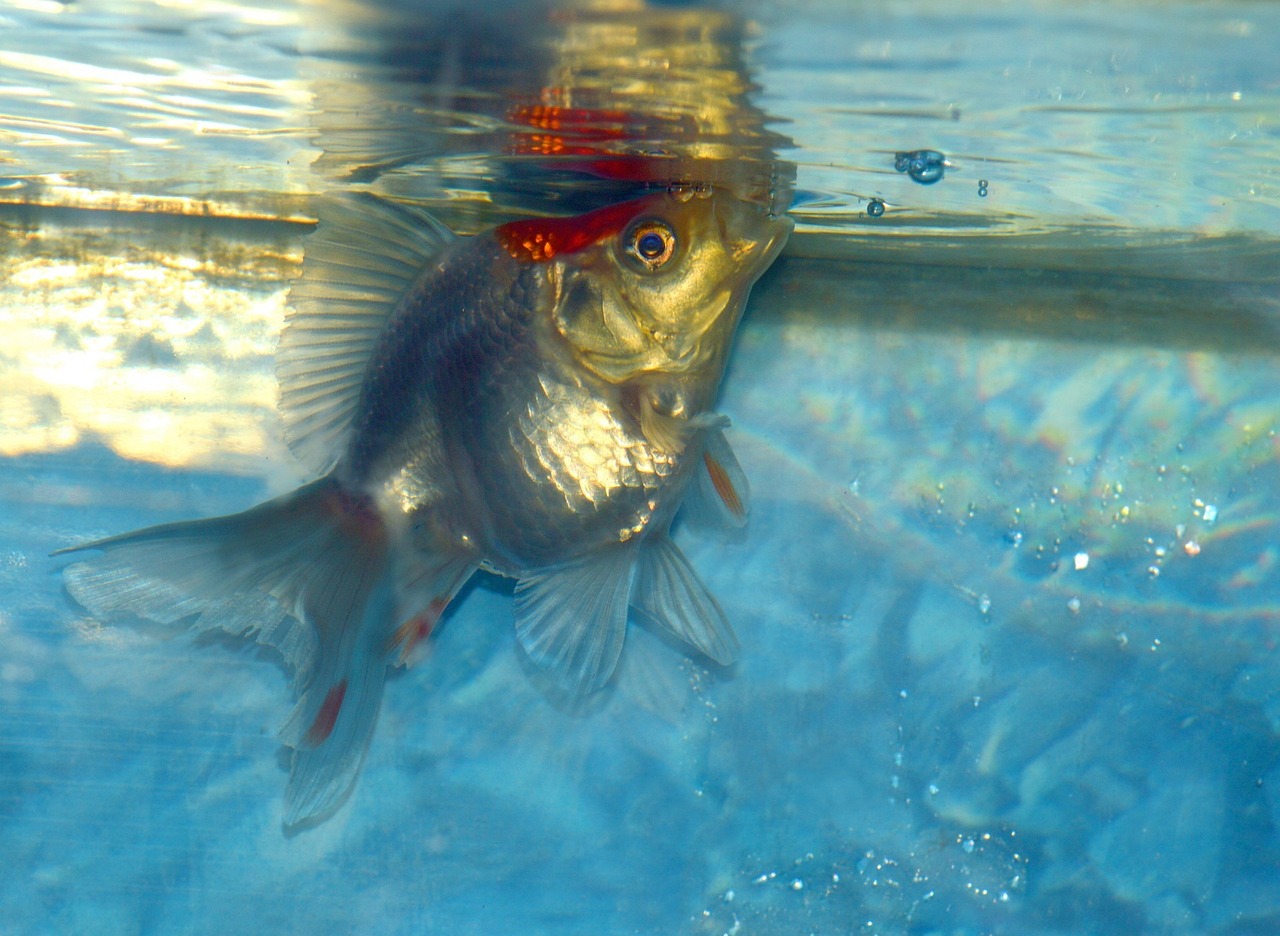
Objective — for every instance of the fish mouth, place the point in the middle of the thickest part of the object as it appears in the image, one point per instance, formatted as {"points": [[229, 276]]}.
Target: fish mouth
{"points": [[752, 255]]}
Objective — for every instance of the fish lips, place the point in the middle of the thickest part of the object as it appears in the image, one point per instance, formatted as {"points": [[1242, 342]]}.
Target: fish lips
{"points": [[757, 253]]}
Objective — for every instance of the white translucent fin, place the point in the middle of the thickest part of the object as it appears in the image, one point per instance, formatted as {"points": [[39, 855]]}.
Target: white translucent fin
{"points": [[719, 495], [308, 574], [359, 262], [653, 674], [669, 591], [426, 586], [571, 619]]}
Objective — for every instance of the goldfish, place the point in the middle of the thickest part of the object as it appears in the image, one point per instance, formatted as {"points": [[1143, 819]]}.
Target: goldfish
{"points": [[535, 401]]}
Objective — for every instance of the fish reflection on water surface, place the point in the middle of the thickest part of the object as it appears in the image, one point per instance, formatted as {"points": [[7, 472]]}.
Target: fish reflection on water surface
{"points": [[534, 400]]}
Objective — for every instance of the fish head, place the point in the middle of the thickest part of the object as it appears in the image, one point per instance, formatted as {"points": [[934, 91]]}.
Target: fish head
{"points": [[656, 284]]}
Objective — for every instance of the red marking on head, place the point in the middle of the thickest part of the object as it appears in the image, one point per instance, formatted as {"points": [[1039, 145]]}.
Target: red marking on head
{"points": [[327, 717], [537, 240], [723, 485]]}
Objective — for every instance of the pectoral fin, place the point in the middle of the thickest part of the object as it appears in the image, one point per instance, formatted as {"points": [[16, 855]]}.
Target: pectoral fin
{"points": [[571, 619], [719, 495], [673, 433], [669, 591]]}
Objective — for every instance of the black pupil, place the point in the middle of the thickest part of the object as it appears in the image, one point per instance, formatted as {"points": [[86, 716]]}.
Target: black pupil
{"points": [[651, 245]]}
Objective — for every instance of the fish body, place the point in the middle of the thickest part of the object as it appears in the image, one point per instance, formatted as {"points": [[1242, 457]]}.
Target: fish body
{"points": [[534, 400]]}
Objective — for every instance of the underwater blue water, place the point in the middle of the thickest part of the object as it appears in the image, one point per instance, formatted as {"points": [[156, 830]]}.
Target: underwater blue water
{"points": [[893, 753], [1008, 599]]}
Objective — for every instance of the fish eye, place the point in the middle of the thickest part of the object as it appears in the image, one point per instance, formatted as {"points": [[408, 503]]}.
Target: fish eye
{"points": [[651, 243]]}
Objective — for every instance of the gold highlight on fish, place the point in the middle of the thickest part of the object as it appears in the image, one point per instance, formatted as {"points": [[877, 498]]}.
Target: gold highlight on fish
{"points": [[535, 400]]}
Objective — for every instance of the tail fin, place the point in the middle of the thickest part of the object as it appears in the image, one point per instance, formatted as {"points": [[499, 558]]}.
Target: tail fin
{"points": [[308, 574]]}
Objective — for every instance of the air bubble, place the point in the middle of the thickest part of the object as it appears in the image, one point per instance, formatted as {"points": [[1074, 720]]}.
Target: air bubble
{"points": [[875, 207], [924, 166]]}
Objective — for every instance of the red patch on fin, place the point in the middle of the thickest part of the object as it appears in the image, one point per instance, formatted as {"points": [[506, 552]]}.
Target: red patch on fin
{"points": [[356, 514], [327, 717], [537, 240], [418, 628], [724, 487]]}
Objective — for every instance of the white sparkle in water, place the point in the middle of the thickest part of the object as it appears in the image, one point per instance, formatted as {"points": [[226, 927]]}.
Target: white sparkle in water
{"points": [[1082, 561]]}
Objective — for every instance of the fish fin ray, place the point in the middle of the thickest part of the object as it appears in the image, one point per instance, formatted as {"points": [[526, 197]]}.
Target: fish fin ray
{"points": [[670, 592], [426, 588], [720, 495], [307, 573], [238, 574], [571, 619], [339, 307]]}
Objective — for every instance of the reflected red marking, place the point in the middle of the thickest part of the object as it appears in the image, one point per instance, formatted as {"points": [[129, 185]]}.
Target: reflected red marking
{"points": [[723, 485], [627, 168], [537, 240], [587, 132], [583, 122], [418, 628], [327, 717]]}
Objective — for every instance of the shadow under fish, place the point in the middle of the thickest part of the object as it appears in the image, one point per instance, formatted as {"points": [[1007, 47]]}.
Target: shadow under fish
{"points": [[534, 400]]}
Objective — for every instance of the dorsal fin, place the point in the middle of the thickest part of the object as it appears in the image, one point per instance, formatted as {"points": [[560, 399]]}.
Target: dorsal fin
{"points": [[359, 262]]}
